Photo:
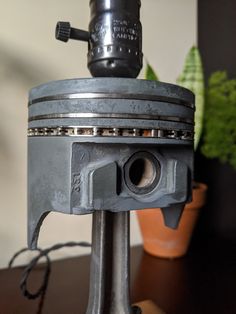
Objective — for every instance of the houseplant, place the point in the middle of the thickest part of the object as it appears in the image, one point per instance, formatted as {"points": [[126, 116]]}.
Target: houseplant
{"points": [[158, 239]]}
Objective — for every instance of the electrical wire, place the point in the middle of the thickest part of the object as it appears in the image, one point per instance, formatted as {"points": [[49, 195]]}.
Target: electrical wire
{"points": [[28, 269], [40, 293]]}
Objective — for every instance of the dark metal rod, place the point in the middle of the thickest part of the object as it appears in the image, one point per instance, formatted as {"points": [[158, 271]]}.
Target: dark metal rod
{"points": [[97, 268], [110, 269], [121, 264]]}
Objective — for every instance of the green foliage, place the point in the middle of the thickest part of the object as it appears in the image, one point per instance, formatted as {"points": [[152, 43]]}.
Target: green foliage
{"points": [[192, 78], [150, 73], [219, 139]]}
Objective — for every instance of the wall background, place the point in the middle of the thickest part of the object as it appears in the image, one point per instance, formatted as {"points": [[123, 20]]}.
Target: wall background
{"points": [[216, 40], [29, 55]]}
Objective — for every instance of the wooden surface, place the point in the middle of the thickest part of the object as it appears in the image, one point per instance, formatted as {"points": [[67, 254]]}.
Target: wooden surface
{"points": [[204, 282]]}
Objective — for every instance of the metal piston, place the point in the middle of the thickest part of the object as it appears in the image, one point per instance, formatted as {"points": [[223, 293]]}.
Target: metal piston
{"points": [[74, 142]]}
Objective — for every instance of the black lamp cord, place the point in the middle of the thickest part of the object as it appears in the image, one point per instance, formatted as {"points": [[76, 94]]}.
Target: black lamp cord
{"points": [[28, 269]]}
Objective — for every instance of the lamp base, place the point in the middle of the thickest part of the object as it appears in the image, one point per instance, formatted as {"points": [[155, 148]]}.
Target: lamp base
{"points": [[148, 307]]}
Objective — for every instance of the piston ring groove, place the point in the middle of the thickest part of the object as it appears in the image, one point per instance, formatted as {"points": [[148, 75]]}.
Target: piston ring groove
{"points": [[110, 116], [110, 96], [91, 131]]}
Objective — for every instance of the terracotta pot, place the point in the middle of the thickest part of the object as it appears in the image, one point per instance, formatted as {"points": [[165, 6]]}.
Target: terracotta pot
{"points": [[162, 241]]}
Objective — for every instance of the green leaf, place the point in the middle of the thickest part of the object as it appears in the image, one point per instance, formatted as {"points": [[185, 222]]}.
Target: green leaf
{"points": [[192, 78], [150, 73]]}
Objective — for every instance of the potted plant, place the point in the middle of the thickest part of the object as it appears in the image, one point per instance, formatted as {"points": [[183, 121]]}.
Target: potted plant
{"points": [[158, 239]]}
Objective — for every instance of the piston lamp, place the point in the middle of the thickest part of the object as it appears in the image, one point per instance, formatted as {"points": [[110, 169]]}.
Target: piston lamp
{"points": [[107, 145]]}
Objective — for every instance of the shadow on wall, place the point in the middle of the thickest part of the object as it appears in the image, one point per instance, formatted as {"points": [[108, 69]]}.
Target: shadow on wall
{"points": [[17, 76], [13, 67]]}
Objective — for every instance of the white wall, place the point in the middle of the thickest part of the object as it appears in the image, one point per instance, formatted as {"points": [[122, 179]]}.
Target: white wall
{"points": [[29, 55]]}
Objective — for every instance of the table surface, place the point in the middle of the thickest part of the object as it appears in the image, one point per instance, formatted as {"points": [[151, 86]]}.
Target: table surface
{"points": [[203, 282]]}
